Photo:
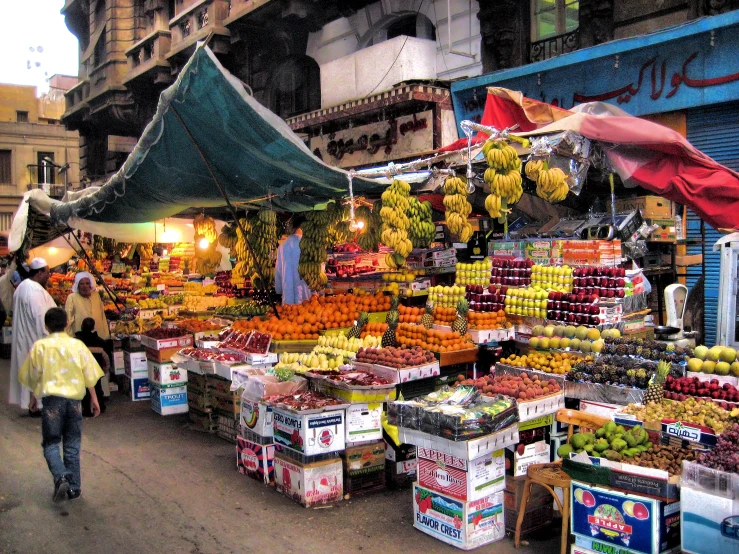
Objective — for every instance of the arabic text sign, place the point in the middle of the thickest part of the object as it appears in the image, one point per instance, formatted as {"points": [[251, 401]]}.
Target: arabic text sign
{"points": [[679, 73], [377, 142]]}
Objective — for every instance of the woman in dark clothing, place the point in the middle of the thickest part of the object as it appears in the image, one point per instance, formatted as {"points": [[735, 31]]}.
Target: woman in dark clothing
{"points": [[98, 347]]}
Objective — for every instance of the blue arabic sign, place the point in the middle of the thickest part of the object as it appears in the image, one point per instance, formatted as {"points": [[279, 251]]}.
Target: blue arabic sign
{"points": [[681, 67]]}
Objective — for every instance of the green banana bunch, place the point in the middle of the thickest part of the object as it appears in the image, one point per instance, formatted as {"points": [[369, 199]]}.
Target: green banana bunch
{"points": [[313, 249], [421, 230], [395, 220], [369, 238], [261, 257]]}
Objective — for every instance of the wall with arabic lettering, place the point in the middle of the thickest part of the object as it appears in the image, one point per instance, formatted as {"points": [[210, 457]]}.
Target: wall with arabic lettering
{"points": [[677, 68]]}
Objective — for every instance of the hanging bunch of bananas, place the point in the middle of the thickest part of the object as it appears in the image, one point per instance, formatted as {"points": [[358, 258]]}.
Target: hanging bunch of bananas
{"points": [[205, 226], [137, 326], [421, 230], [503, 174], [313, 250], [493, 205], [260, 255], [228, 236], [369, 238], [457, 207], [395, 221], [338, 223], [551, 182], [102, 247], [207, 259], [145, 250]]}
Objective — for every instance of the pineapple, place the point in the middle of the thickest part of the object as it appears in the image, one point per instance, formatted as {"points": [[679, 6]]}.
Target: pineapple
{"points": [[427, 319], [388, 337], [460, 323], [356, 330], [656, 389], [394, 301]]}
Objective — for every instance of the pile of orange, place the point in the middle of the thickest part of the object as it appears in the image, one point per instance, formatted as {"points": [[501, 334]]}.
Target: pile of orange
{"points": [[197, 325], [444, 316], [488, 320], [432, 339], [410, 315], [375, 329], [304, 321]]}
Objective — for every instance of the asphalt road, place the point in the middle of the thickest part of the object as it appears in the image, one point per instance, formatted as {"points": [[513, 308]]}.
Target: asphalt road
{"points": [[153, 484]]}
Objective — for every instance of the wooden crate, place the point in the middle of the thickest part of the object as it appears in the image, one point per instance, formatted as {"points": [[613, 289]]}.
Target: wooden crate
{"points": [[456, 357]]}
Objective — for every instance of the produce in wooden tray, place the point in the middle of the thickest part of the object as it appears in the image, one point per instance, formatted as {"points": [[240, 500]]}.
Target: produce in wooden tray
{"points": [[725, 455], [559, 363], [614, 370], [615, 443], [202, 354], [521, 387], [197, 325], [395, 357], [647, 348], [432, 339], [252, 342], [406, 314], [692, 410], [374, 329], [488, 320], [303, 401]]}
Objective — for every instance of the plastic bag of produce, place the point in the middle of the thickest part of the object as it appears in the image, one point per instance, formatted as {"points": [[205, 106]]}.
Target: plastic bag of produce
{"points": [[258, 387]]}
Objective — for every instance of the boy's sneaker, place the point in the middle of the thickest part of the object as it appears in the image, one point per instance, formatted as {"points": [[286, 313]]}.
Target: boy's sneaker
{"points": [[73, 495], [61, 488]]}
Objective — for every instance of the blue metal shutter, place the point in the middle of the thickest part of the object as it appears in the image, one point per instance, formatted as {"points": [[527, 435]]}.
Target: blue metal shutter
{"points": [[712, 130]]}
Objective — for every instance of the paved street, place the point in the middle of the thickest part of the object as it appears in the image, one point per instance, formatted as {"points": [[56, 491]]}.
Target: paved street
{"points": [[152, 484]]}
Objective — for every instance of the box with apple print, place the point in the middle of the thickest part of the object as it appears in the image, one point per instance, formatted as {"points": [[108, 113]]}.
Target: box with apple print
{"points": [[256, 460], [312, 484], [637, 524], [466, 525]]}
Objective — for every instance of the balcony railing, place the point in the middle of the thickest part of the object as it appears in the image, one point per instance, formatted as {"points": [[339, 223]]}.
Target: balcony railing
{"points": [[77, 95], [554, 46], [148, 53], [197, 21], [44, 174]]}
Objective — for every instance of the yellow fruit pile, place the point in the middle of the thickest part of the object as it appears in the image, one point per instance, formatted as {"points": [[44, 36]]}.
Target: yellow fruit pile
{"points": [[457, 207], [503, 176], [551, 183], [395, 221], [559, 363]]}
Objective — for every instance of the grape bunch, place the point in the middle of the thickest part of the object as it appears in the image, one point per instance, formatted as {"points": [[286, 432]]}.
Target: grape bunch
{"points": [[725, 455]]}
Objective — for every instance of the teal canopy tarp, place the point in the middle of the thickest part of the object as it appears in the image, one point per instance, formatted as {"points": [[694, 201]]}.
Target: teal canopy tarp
{"points": [[251, 151]]}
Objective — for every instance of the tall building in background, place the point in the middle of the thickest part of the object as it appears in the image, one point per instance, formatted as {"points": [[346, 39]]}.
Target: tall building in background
{"points": [[36, 150]]}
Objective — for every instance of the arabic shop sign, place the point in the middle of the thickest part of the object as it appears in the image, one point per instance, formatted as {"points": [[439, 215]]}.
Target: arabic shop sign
{"points": [[681, 72], [377, 142]]}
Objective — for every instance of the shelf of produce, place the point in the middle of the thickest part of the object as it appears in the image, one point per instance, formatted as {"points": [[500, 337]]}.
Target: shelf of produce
{"points": [[596, 392], [504, 369], [468, 356], [484, 336], [402, 375], [293, 346], [467, 450]]}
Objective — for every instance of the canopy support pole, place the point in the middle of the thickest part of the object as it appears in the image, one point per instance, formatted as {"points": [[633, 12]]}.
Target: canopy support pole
{"points": [[92, 267], [257, 264]]}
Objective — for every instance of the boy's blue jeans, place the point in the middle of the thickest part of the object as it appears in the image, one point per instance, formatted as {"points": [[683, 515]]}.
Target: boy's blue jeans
{"points": [[61, 422]]}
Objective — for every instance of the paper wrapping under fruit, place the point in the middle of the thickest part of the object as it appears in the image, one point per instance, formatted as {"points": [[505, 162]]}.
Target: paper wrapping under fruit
{"points": [[258, 387], [609, 394]]}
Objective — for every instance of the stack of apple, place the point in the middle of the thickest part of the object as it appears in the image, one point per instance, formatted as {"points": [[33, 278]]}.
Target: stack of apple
{"points": [[447, 297], [605, 282], [490, 299], [475, 273], [526, 302], [552, 277], [720, 360], [569, 307], [682, 387], [511, 273]]}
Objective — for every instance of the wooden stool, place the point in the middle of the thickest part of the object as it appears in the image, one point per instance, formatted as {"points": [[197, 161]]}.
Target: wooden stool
{"points": [[551, 476]]}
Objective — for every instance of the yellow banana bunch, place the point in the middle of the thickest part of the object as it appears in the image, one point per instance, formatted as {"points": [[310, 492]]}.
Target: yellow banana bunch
{"points": [[313, 249], [551, 185], [533, 168], [395, 221], [503, 174], [492, 205], [457, 207]]}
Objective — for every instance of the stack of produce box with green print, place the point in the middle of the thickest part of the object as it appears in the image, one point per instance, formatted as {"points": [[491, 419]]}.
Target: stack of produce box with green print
{"points": [[167, 382]]}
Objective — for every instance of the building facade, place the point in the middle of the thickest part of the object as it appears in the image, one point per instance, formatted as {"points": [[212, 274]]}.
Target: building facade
{"points": [[36, 150]]}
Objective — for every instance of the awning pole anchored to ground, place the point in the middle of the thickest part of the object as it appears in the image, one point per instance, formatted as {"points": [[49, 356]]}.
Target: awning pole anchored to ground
{"points": [[257, 264]]}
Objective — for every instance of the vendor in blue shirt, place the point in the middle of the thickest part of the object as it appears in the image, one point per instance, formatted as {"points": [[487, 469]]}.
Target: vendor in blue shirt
{"points": [[287, 279]]}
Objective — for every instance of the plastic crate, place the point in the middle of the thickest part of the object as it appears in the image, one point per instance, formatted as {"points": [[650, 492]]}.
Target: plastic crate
{"points": [[532, 521], [228, 428], [251, 436], [422, 387], [364, 483], [5, 351]]}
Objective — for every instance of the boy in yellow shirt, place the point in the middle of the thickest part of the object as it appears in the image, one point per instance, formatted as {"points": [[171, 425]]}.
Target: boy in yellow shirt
{"points": [[59, 369]]}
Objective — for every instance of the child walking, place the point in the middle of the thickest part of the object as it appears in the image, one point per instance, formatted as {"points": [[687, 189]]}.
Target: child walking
{"points": [[60, 369]]}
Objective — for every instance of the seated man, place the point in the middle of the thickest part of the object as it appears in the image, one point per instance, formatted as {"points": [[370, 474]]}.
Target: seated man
{"points": [[96, 346]]}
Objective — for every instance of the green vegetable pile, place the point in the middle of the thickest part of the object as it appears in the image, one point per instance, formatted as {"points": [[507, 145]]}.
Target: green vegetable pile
{"points": [[611, 441]]}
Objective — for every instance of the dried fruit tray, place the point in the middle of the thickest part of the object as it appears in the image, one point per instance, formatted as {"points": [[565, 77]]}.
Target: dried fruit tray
{"points": [[401, 375], [537, 407], [467, 450]]}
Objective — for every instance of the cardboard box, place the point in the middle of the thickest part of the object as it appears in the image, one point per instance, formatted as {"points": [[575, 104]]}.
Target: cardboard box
{"points": [[166, 375], [119, 365], [649, 206], [135, 363], [468, 450], [401, 453], [310, 434], [256, 416], [461, 479], [366, 458], [311, 484], [136, 389], [466, 525], [227, 404], [693, 259], [256, 460], [217, 384], [169, 400], [363, 422], [163, 344], [666, 232], [639, 524], [535, 453]]}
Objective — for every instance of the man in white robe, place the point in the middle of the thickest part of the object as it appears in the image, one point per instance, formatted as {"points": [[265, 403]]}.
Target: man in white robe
{"points": [[30, 304]]}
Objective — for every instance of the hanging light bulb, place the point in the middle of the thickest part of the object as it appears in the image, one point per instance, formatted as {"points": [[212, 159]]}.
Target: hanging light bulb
{"points": [[164, 252], [204, 243], [360, 225]]}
